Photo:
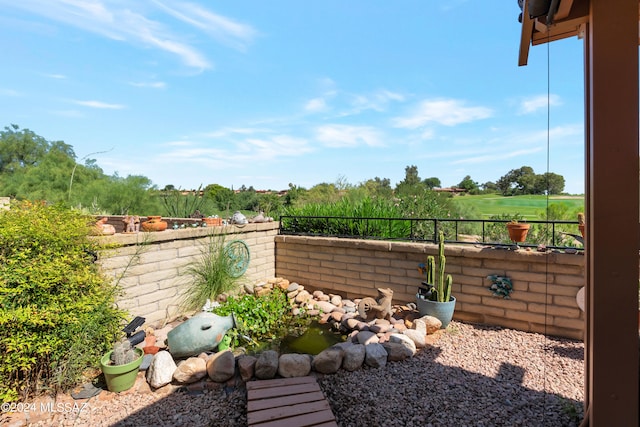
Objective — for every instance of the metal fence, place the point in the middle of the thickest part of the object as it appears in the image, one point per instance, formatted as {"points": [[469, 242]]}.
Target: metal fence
{"points": [[552, 234]]}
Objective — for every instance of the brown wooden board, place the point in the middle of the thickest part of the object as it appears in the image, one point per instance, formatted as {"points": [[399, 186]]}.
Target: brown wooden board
{"points": [[288, 402]]}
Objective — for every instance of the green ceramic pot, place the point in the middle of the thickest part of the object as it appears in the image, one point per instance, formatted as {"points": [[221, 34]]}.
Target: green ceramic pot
{"points": [[442, 311], [120, 377]]}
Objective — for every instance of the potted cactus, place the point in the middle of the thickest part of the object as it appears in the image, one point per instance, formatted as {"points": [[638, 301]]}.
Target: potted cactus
{"points": [[120, 366], [434, 295]]}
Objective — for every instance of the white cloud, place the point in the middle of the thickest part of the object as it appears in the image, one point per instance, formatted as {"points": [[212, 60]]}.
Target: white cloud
{"points": [[222, 29], [126, 22], [153, 85], [535, 103], [447, 112], [497, 156], [56, 76], [276, 146], [315, 105], [99, 104], [348, 136]]}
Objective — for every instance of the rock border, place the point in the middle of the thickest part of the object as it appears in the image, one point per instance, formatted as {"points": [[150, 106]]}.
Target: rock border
{"points": [[373, 343]]}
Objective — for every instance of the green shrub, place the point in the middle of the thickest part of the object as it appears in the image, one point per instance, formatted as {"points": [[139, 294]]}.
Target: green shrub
{"points": [[57, 312]]}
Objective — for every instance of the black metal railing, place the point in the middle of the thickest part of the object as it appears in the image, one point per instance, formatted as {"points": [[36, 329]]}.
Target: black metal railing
{"points": [[552, 234]]}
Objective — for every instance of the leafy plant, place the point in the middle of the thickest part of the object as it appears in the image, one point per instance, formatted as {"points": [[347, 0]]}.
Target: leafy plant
{"points": [[212, 274], [57, 311], [438, 286], [257, 317], [180, 205]]}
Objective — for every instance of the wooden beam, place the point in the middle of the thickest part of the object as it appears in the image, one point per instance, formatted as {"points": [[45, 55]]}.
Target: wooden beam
{"points": [[525, 35]]}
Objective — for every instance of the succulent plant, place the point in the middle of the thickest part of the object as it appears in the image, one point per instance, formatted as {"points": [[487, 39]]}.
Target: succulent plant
{"points": [[123, 353], [440, 285]]}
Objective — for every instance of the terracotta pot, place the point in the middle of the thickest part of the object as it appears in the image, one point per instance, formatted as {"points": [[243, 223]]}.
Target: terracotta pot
{"points": [[518, 231], [151, 349], [154, 223], [212, 222], [149, 340]]}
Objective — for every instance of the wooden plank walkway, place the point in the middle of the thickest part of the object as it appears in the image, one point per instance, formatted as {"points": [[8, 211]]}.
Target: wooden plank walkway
{"points": [[288, 402]]}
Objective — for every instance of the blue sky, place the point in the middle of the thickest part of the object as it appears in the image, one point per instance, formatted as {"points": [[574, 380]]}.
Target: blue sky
{"points": [[267, 93]]}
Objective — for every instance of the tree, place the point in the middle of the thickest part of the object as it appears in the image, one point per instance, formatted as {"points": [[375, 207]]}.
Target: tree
{"points": [[469, 185], [432, 183], [411, 184]]}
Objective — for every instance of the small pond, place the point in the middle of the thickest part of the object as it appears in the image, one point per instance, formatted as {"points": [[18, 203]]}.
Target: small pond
{"points": [[308, 339]]}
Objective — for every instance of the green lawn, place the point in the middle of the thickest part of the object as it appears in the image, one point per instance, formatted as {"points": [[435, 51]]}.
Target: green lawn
{"points": [[531, 207]]}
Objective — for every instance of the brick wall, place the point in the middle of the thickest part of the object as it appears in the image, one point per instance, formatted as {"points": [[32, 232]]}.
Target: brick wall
{"points": [[149, 267], [545, 284]]}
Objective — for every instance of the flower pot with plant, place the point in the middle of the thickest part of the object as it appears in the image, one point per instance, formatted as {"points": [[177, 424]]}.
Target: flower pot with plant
{"points": [[120, 366], [434, 295]]}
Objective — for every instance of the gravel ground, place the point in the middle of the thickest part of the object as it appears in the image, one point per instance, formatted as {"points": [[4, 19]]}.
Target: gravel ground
{"points": [[474, 375]]}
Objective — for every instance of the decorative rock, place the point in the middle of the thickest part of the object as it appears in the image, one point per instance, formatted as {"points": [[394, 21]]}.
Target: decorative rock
{"points": [[325, 306], [313, 312], [146, 362], [336, 316], [302, 297], [296, 311], [353, 357], [294, 365], [376, 355], [221, 366], [396, 351], [367, 337], [336, 300], [323, 297], [328, 361], [348, 303], [380, 328], [260, 292], [249, 288], [283, 284], [191, 370], [293, 286], [405, 341], [428, 324], [160, 372], [324, 318], [246, 367], [351, 323], [418, 338], [291, 295], [317, 294], [267, 365]]}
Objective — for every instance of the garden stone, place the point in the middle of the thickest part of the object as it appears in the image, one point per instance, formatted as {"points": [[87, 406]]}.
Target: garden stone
{"points": [[221, 366], [419, 338], [376, 355], [294, 365], [246, 367], [396, 351], [293, 286], [324, 318], [353, 357], [336, 316], [328, 361], [379, 328], [249, 288], [336, 300], [302, 297], [405, 341], [325, 306], [428, 324], [191, 370], [160, 372], [367, 337], [267, 365], [146, 362], [283, 284]]}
